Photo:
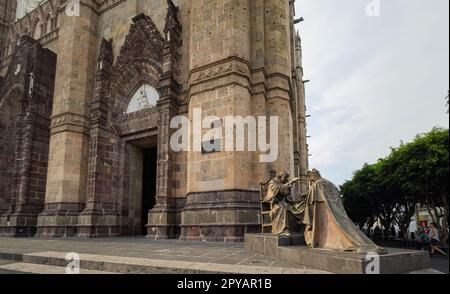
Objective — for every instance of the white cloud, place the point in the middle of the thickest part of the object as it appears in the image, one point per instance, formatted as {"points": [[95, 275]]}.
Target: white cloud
{"points": [[374, 80]]}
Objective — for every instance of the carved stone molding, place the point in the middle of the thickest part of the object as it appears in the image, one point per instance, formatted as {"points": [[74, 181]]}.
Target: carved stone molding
{"points": [[215, 70], [141, 114], [70, 121]]}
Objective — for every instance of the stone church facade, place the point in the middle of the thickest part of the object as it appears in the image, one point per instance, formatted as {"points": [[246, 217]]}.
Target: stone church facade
{"points": [[86, 103]]}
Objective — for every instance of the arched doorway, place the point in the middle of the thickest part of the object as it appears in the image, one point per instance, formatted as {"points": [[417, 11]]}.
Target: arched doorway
{"points": [[141, 159]]}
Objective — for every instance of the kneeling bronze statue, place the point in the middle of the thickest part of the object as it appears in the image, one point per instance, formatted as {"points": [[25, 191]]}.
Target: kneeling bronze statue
{"points": [[328, 225]]}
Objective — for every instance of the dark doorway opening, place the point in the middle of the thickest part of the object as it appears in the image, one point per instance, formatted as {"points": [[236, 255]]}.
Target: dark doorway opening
{"points": [[148, 184]]}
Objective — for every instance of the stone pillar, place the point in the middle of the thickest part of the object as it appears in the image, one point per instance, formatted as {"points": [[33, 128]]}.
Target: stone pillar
{"points": [[101, 217], [37, 66], [222, 202], [258, 78], [69, 144], [278, 70], [301, 118], [162, 219], [162, 222]]}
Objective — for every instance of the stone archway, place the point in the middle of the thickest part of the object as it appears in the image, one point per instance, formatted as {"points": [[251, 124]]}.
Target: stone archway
{"points": [[117, 135]]}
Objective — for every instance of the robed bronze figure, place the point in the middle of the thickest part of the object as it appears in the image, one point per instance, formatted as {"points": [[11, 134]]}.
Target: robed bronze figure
{"points": [[328, 225]]}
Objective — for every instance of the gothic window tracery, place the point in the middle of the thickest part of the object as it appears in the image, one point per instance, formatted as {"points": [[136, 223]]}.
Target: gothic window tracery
{"points": [[26, 6]]}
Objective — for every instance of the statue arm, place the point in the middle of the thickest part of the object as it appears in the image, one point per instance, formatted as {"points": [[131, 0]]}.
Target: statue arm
{"points": [[295, 180]]}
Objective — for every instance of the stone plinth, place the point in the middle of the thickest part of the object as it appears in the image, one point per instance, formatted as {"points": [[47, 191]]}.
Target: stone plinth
{"points": [[291, 249]]}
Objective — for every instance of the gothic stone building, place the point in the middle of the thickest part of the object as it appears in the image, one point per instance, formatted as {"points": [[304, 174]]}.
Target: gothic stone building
{"points": [[86, 101]]}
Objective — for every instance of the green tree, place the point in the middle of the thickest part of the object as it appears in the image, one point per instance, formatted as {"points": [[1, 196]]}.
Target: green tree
{"points": [[385, 202], [425, 172], [413, 173], [360, 196], [366, 198], [395, 181]]}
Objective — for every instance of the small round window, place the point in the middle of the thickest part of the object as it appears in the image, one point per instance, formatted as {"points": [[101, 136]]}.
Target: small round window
{"points": [[145, 97]]}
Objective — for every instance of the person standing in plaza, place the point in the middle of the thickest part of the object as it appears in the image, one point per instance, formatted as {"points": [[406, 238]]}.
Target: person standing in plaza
{"points": [[435, 239]]}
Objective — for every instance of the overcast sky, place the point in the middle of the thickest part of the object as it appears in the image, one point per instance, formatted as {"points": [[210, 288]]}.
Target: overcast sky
{"points": [[374, 80]]}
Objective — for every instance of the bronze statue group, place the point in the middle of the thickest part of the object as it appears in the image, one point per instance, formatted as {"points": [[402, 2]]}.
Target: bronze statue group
{"points": [[319, 214]]}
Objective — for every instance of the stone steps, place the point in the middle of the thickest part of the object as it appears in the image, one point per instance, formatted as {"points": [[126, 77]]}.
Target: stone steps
{"points": [[56, 262], [30, 268]]}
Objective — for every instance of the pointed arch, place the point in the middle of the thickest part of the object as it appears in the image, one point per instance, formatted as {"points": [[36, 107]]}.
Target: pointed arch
{"points": [[139, 63]]}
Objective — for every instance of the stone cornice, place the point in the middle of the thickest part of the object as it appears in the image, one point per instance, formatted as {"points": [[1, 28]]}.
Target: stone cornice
{"points": [[237, 71], [232, 70], [70, 122]]}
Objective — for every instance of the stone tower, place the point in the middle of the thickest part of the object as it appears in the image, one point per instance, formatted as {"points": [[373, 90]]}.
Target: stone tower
{"points": [[241, 64]]}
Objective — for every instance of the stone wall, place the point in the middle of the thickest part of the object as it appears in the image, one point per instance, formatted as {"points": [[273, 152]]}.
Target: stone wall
{"points": [[9, 110], [67, 181], [41, 24], [7, 10], [28, 93]]}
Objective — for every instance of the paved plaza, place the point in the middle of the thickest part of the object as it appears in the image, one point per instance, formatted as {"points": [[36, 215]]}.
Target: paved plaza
{"points": [[174, 254], [168, 251]]}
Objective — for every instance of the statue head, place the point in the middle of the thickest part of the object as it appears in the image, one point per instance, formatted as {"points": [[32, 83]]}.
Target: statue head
{"points": [[314, 175], [272, 174], [284, 177]]}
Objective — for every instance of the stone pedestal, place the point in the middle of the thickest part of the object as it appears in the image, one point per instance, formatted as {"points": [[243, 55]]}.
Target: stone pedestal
{"points": [[293, 250], [58, 220], [220, 216], [162, 223], [97, 224], [18, 224]]}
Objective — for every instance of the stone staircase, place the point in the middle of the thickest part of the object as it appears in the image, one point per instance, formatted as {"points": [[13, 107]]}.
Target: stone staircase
{"points": [[55, 263]]}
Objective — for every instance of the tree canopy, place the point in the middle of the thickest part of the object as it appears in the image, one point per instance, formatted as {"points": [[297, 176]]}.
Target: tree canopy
{"points": [[413, 173]]}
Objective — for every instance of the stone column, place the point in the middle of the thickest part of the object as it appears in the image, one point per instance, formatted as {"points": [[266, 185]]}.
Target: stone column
{"points": [[278, 70], [301, 118], [68, 162], [222, 201], [101, 217], [258, 78], [162, 219]]}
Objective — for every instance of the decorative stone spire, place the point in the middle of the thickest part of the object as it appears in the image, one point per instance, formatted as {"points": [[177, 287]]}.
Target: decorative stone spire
{"points": [[168, 86], [105, 57], [173, 27], [99, 108]]}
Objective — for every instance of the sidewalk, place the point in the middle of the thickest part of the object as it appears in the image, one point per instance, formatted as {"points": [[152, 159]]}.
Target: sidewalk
{"points": [[203, 257]]}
